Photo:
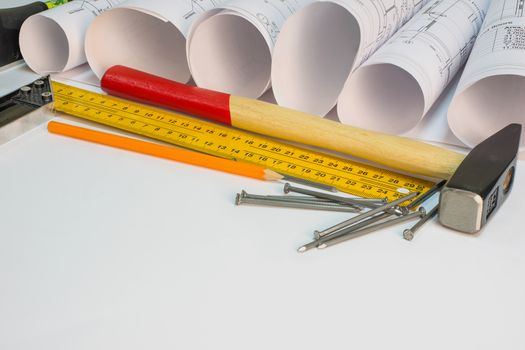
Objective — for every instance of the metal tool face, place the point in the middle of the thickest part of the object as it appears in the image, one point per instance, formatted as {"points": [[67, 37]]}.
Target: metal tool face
{"points": [[482, 182], [24, 100], [345, 175], [24, 109]]}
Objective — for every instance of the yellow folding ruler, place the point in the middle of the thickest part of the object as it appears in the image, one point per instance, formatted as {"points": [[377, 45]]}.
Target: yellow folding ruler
{"points": [[348, 176]]}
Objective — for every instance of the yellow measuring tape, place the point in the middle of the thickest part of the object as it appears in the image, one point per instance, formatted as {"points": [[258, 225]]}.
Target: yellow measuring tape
{"points": [[348, 176]]}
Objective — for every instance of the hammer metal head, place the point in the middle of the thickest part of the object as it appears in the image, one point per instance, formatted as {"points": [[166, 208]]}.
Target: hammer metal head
{"points": [[482, 182]]}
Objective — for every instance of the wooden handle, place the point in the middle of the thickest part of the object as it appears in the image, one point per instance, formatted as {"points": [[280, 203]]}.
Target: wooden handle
{"points": [[393, 151]]}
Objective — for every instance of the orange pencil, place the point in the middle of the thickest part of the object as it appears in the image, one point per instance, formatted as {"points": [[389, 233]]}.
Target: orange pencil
{"points": [[161, 151]]}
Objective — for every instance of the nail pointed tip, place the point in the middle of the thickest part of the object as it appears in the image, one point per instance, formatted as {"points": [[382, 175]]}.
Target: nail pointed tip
{"points": [[301, 249]]}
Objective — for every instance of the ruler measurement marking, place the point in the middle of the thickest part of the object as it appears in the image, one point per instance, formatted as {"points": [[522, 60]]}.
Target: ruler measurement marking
{"points": [[339, 173], [115, 123], [313, 173], [385, 182], [152, 134], [115, 111], [207, 137]]}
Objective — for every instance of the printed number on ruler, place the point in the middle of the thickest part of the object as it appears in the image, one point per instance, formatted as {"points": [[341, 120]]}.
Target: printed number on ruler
{"points": [[348, 176]]}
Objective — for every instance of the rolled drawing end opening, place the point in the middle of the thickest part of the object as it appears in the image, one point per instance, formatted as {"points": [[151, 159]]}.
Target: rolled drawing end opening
{"points": [[313, 57], [228, 53], [487, 106], [138, 40], [381, 97], [44, 45]]}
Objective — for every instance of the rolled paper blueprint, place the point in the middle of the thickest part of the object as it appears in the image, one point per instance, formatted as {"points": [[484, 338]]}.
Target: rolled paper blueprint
{"points": [[149, 35], [397, 85], [53, 41], [230, 48], [322, 43], [491, 91]]}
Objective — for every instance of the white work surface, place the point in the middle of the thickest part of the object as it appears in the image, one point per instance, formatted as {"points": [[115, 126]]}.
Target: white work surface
{"points": [[107, 249]]}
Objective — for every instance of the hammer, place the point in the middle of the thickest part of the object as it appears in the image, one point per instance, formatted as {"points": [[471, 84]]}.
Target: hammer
{"points": [[478, 183]]}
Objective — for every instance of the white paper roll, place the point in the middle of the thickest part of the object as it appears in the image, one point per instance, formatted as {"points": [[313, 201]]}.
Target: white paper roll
{"points": [[148, 35], [53, 41], [397, 85], [231, 50], [491, 92], [322, 43]]}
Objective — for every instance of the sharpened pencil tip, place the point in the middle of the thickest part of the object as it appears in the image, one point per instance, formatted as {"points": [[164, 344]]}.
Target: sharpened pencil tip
{"points": [[272, 175]]}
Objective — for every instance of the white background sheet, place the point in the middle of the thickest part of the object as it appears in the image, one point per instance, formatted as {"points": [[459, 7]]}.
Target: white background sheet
{"points": [[108, 249]]}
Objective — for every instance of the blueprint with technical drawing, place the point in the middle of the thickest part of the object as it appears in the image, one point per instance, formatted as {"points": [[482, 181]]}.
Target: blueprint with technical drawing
{"points": [[379, 20], [490, 94], [230, 49], [321, 44], [411, 70]]}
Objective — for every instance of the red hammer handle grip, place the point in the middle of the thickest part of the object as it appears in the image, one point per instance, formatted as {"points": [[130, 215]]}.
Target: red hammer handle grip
{"points": [[150, 89]]}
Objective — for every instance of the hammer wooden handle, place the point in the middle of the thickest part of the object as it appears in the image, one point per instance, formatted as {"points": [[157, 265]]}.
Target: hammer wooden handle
{"points": [[393, 151], [272, 120]]}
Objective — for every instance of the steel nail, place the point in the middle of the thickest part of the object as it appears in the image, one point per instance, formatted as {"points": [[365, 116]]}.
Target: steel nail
{"points": [[300, 199], [354, 227], [319, 240], [245, 198], [310, 183], [352, 201], [239, 198], [307, 199], [357, 226], [408, 234], [368, 214], [298, 205], [343, 238]]}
